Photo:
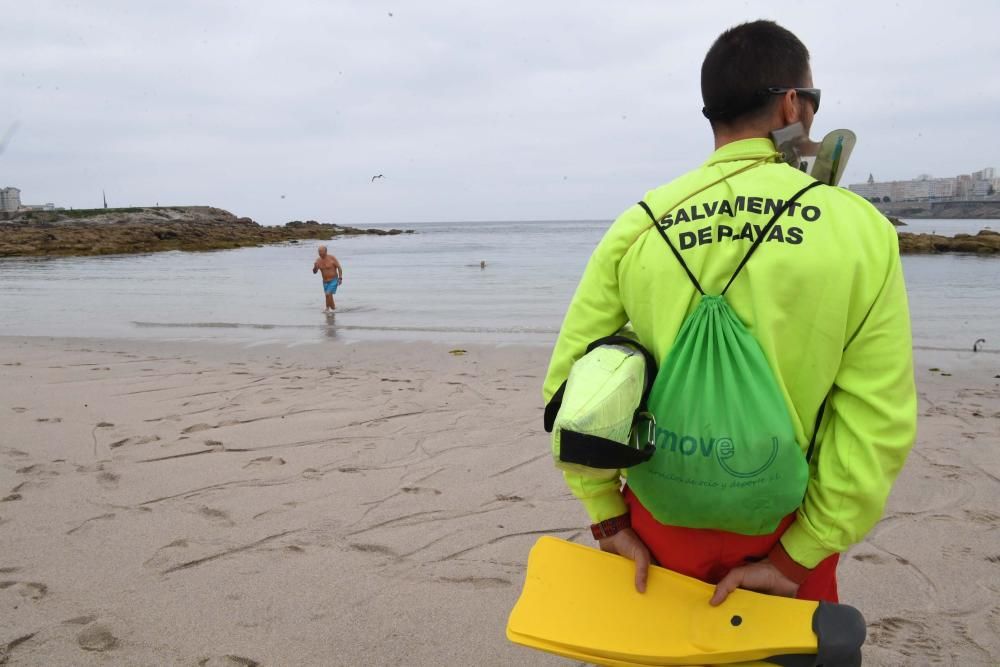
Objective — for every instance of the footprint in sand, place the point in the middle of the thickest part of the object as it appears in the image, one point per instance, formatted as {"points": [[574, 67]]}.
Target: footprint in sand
{"points": [[197, 427], [96, 637], [8, 647], [476, 582], [37, 474], [168, 554], [372, 549], [108, 480], [265, 461], [19, 410], [909, 638], [228, 661], [31, 590], [869, 558], [49, 420], [420, 489], [80, 620], [217, 516], [135, 440], [984, 517]]}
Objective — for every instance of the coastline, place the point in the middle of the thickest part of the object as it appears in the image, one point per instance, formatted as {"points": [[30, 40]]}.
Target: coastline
{"points": [[373, 503], [158, 229], [100, 232]]}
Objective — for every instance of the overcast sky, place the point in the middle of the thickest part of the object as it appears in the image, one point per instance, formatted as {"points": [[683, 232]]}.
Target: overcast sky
{"points": [[471, 110]]}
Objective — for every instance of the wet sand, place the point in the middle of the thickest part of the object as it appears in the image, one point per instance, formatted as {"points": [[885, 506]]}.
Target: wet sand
{"points": [[210, 504]]}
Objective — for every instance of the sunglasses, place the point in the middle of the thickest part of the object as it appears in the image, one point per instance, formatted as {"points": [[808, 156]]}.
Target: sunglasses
{"points": [[811, 94]]}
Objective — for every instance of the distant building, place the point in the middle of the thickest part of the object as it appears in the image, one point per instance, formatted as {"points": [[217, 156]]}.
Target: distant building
{"points": [[926, 188], [10, 199]]}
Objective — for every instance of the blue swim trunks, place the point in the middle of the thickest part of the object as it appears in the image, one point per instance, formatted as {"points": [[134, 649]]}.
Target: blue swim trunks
{"points": [[330, 286]]}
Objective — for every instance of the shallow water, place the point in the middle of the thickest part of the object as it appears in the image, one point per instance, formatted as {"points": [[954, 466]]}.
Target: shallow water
{"points": [[422, 286]]}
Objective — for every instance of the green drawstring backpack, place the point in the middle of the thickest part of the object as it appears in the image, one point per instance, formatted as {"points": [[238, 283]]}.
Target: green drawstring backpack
{"points": [[721, 451], [726, 456]]}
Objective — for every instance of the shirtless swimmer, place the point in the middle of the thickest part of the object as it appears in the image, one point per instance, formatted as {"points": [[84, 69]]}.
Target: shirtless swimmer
{"points": [[333, 276]]}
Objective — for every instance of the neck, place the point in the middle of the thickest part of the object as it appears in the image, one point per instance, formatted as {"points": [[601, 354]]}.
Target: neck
{"points": [[725, 136]]}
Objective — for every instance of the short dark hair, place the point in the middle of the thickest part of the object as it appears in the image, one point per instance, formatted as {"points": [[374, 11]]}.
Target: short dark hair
{"points": [[742, 63]]}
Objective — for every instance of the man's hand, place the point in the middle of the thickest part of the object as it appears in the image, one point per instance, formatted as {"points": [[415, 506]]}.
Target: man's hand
{"points": [[762, 577], [626, 543]]}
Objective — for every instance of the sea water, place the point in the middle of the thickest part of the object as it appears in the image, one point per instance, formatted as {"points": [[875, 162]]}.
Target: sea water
{"points": [[427, 286]]}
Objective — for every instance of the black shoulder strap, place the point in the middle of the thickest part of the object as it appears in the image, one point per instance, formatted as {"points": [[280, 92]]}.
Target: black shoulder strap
{"points": [[767, 228], [694, 281]]}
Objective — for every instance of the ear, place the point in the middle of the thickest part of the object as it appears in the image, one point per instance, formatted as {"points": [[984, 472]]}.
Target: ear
{"points": [[791, 112]]}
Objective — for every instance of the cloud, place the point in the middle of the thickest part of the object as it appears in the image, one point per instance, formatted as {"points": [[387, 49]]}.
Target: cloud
{"points": [[492, 111]]}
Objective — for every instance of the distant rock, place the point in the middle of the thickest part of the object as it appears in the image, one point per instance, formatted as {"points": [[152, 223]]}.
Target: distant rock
{"points": [[138, 230], [986, 242]]}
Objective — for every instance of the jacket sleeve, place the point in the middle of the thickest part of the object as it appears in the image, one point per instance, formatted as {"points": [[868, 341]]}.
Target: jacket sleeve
{"points": [[871, 427], [595, 311]]}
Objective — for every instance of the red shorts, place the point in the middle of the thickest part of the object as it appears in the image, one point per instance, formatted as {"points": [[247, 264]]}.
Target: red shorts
{"points": [[709, 555]]}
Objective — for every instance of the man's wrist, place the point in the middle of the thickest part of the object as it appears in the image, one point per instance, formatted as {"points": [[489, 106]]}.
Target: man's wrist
{"points": [[610, 527], [784, 564]]}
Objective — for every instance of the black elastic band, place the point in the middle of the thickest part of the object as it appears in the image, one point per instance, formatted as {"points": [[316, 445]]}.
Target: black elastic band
{"points": [[596, 452], [767, 228], [812, 442], [694, 281], [552, 408]]}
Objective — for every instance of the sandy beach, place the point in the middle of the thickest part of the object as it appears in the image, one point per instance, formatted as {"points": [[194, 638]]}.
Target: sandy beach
{"points": [[373, 504]]}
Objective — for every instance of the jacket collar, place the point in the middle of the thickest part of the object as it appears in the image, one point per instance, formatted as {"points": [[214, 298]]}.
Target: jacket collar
{"points": [[745, 149]]}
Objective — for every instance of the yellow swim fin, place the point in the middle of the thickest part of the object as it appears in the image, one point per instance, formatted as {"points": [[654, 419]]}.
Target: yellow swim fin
{"points": [[581, 603]]}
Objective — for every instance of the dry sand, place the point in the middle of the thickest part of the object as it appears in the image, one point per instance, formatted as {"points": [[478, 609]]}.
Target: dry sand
{"points": [[207, 504]]}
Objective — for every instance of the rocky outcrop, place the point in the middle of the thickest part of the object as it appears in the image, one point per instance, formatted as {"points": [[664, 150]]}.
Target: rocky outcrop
{"points": [[135, 230], [986, 242]]}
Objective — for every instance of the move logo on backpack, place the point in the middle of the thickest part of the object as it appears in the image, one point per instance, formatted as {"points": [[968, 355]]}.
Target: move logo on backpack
{"points": [[732, 459]]}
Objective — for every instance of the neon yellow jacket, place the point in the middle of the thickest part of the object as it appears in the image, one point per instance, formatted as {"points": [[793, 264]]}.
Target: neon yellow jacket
{"points": [[824, 296]]}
